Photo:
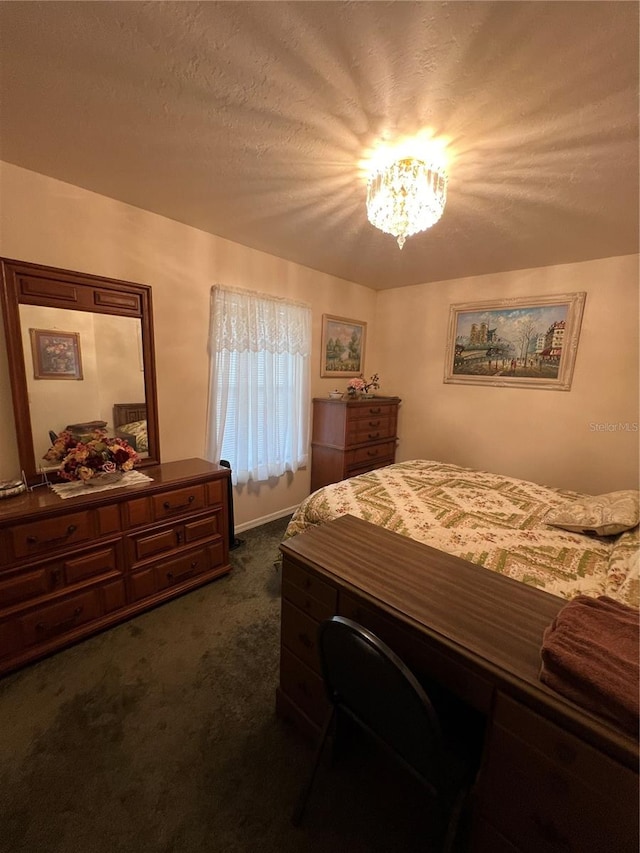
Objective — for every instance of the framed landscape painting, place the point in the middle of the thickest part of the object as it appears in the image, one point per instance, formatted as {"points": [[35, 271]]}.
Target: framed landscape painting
{"points": [[343, 343], [525, 343], [56, 355]]}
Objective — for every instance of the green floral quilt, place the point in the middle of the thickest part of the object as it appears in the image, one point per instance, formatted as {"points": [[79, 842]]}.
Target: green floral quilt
{"points": [[488, 519]]}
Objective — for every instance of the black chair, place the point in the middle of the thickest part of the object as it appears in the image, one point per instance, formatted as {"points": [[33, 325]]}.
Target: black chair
{"points": [[369, 684]]}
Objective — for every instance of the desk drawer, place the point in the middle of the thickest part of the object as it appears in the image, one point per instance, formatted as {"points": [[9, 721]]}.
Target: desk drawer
{"points": [[549, 792], [304, 687], [314, 608], [300, 635], [310, 584]]}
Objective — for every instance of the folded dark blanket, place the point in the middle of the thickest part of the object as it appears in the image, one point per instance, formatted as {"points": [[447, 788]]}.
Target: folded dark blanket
{"points": [[591, 654]]}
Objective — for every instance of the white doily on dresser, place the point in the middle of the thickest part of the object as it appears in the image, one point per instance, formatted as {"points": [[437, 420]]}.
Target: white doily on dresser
{"points": [[75, 488]]}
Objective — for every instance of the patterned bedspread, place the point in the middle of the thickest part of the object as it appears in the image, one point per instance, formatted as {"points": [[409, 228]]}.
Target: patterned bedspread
{"points": [[488, 519], [138, 429]]}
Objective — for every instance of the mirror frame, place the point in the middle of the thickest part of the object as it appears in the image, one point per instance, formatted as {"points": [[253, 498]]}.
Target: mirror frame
{"points": [[34, 284]]}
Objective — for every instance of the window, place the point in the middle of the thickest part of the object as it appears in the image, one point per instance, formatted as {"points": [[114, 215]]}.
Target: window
{"points": [[259, 391]]}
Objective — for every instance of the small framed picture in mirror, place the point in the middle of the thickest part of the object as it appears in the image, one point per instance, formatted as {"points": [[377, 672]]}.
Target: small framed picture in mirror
{"points": [[56, 355]]}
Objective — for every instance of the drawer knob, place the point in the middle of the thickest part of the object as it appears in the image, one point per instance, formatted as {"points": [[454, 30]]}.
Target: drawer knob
{"points": [[33, 540], [304, 639], [374, 435], [168, 506]]}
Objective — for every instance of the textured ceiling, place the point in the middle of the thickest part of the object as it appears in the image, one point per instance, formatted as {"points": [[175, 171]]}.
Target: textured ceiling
{"points": [[250, 121]]}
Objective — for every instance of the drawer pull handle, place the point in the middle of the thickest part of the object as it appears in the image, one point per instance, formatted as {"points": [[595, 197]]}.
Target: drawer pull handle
{"points": [[179, 536], [304, 639], [33, 540], [372, 452], [374, 424], [374, 435], [375, 411], [167, 504], [171, 577], [60, 626], [302, 687], [306, 583]]}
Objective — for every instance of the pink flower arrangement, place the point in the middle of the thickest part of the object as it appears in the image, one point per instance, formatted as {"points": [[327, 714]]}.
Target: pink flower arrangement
{"points": [[83, 460], [359, 385]]}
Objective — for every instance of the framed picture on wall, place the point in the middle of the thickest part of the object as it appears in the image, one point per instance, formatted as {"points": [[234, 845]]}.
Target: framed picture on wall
{"points": [[56, 355], [529, 342], [343, 343]]}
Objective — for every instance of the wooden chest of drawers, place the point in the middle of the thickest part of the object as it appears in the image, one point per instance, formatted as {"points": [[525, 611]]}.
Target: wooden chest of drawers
{"points": [[69, 568], [351, 437]]}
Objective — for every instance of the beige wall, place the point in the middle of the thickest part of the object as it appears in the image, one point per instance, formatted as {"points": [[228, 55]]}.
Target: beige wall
{"points": [[546, 436], [49, 222], [540, 435]]}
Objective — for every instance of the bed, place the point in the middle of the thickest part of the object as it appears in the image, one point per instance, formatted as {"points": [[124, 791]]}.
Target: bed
{"points": [[491, 520], [130, 423]]}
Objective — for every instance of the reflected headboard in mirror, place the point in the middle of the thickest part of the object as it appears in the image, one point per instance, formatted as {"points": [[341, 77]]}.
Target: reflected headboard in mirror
{"points": [[94, 333], [130, 423]]}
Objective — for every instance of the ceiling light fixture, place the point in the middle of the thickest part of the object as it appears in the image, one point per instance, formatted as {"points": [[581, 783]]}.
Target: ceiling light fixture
{"points": [[406, 195]]}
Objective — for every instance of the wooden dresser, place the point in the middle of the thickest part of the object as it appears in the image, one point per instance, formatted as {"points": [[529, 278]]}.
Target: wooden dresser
{"points": [[70, 568], [554, 778], [351, 437]]}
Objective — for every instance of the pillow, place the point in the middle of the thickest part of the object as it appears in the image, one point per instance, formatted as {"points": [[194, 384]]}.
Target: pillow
{"points": [[603, 515], [623, 572]]}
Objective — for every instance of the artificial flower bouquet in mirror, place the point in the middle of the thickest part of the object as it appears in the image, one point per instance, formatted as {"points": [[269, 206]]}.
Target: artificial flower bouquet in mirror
{"points": [[84, 461], [359, 385]]}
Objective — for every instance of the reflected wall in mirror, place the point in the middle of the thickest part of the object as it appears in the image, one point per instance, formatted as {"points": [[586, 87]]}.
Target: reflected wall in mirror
{"points": [[111, 324], [112, 372]]}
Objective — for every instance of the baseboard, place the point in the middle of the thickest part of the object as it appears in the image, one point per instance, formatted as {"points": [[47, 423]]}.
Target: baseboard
{"points": [[274, 516]]}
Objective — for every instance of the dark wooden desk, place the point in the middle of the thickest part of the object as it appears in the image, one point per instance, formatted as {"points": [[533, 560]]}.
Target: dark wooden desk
{"points": [[554, 777]]}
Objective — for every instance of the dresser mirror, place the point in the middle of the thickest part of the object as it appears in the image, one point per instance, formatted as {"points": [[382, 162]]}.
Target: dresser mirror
{"points": [[80, 350]]}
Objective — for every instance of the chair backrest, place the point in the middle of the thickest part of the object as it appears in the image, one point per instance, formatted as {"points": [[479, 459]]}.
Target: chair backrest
{"points": [[366, 679]]}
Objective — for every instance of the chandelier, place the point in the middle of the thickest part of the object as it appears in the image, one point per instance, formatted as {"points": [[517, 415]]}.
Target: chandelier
{"points": [[406, 196]]}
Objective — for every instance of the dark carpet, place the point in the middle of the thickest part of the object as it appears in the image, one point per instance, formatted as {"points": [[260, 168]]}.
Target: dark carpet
{"points": [[160, 736]]}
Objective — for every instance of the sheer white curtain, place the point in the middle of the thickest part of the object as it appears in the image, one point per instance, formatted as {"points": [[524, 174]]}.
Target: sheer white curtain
{"points": [[259, 387]]}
